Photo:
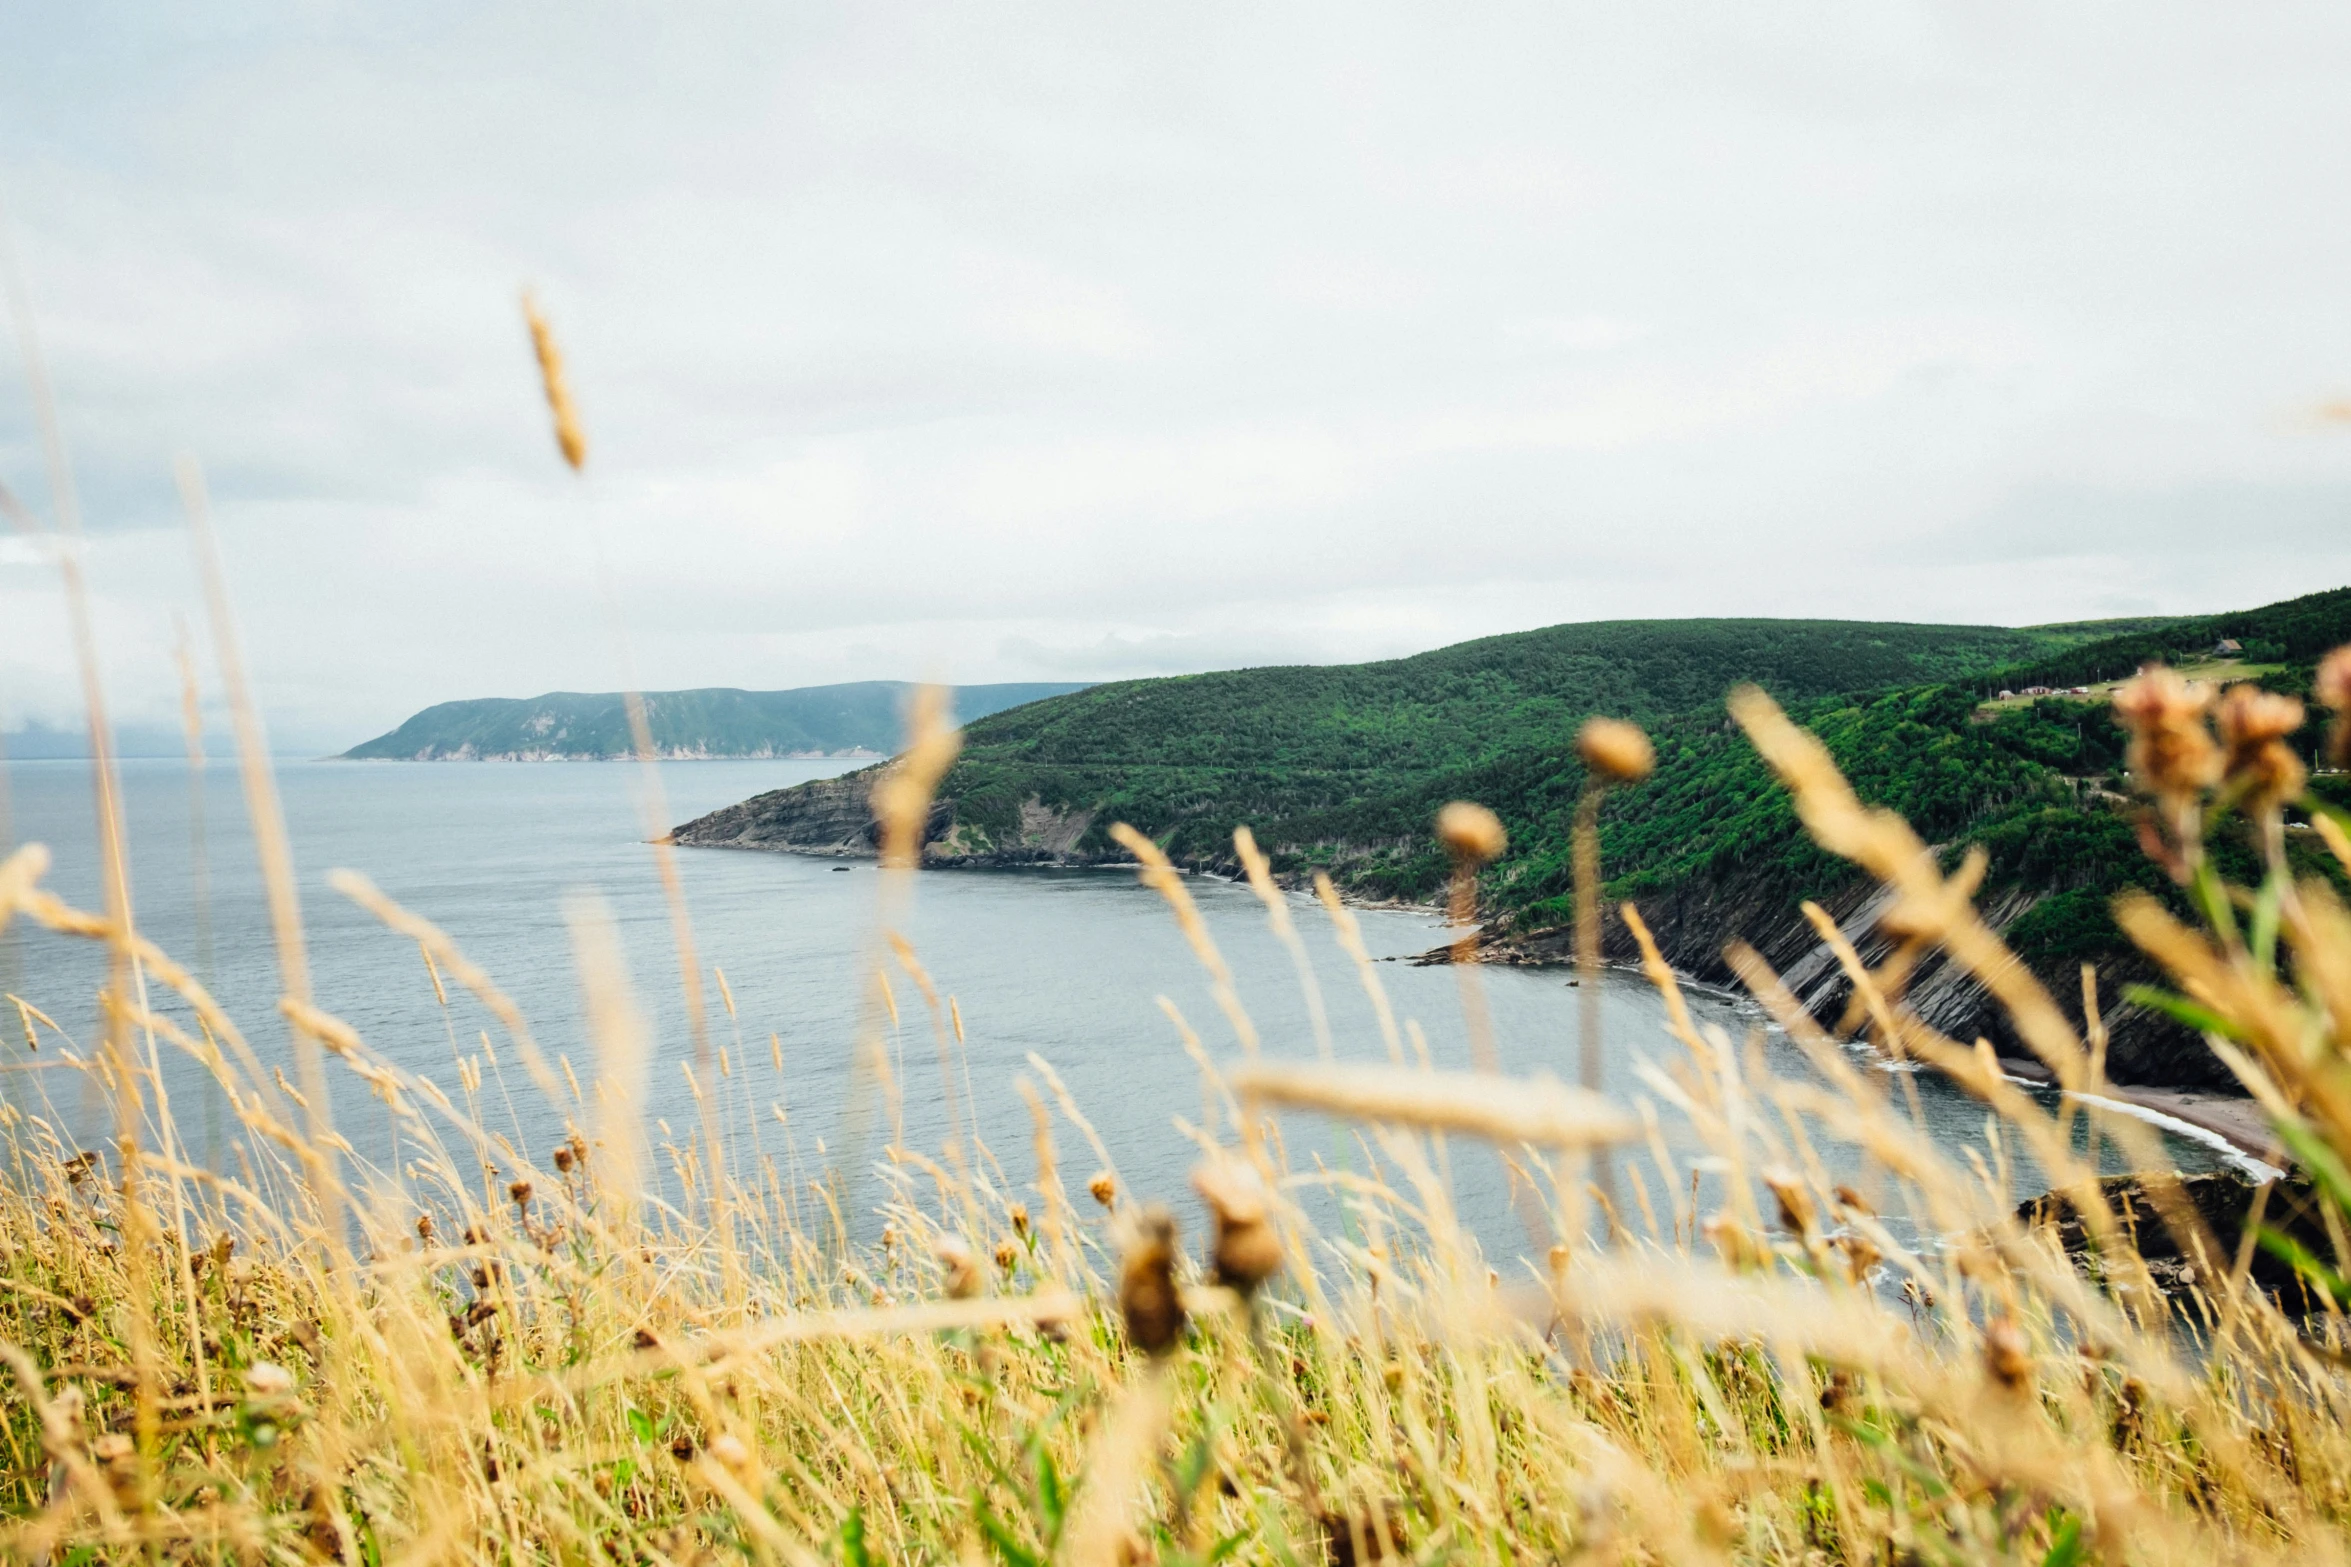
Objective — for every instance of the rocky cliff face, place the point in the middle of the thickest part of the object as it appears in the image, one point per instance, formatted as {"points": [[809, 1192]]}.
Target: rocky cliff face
{"points": [[1693, 923], [823, 816], [834, 816]]}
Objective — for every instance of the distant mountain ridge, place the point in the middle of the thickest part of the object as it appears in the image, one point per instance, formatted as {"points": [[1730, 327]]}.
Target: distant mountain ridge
{"points": [[859, 718]]}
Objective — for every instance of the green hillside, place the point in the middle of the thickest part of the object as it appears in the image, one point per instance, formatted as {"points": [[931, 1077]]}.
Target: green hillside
{"points": [[1341, 770], [1194, 755], [2296, 631], [863, 716]]}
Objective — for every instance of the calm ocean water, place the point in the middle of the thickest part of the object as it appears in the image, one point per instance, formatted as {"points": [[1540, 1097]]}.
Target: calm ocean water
{"points": [[1067, 965]]}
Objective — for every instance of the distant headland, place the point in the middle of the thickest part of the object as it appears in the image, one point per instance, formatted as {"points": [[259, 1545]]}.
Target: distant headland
{"points": [[862, 718]]}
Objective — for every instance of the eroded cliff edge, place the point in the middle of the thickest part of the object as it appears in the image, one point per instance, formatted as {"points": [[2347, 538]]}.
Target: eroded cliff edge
{"points": [[833, 817]]}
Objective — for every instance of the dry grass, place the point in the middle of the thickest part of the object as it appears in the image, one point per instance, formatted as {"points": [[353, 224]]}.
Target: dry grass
{"points": [[496, 1355]]}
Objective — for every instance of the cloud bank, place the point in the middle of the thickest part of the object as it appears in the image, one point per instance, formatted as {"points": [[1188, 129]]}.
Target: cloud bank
{"points": [[1058, 341]]}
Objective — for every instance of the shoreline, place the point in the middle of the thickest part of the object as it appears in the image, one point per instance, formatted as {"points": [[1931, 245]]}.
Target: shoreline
{"points": [[2225, 1119], [2231, 1123]]}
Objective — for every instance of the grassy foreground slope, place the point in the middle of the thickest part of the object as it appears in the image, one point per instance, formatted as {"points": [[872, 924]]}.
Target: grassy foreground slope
{"points": [[864, 715]]}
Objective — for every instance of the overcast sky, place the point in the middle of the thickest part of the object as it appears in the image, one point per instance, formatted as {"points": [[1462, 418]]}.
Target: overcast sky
{"points": [[1022, 341]]}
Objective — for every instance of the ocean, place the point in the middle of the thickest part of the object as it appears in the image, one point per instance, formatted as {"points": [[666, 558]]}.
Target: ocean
{"points": [[1083, 970]]}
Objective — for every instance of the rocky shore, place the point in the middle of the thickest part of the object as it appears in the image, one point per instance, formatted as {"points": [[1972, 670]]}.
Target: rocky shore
{"points": [[2221, 1202]]}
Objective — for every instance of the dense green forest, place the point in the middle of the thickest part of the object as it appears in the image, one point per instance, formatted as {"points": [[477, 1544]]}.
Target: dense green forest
{"points": [[1196, 754], [2294, 632], [1352, 753], [866, 715]]}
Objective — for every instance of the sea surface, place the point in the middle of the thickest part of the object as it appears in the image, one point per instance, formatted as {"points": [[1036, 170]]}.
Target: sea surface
{"points": [[1083, 970]]}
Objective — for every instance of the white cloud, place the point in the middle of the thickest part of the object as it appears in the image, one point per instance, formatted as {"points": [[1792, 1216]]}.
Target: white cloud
{"points": [[921, 340]]}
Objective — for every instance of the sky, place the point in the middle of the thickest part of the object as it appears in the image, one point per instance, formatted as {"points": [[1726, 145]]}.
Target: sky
{"points": [[1040, 341]]}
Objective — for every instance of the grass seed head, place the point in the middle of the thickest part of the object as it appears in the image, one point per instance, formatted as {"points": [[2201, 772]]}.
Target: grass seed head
{"points": [[2008, 1354], [1103, 1188], [2253, 727], [1615, 750], [1740, 1248], [568, 438], [2332, 686], [1860, 1256], [1795, 1203], [960, 1268], [1245, 1251], [2171, 752], [1470, 833], [1148, 1298]]}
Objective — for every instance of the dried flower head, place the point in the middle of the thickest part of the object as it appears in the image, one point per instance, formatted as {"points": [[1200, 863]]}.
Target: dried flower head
{"points": [[568, 438], [520, 1193], [960, 1268], [2008, 1354], [2171, 751], [1103, 1188], [1470, 833], [1861, 1255], [1740, 1248], [2332, 686], [1007, 1255], [2253, 726], [1245, 1251], [1615, 751], [563, 1159], [424, 1227], [1020, 1220], [1795, 1203], [1147, 1295]]}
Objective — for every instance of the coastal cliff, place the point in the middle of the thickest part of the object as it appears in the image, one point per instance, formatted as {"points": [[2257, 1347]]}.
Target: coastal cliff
{"points": [[833, 817], [1340, 771]]}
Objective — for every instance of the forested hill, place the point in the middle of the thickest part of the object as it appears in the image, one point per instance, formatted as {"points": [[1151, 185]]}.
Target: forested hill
{"points": [[2296, 631], [1342, 769], [864, 717], [1190, 756], [1456, 705]]}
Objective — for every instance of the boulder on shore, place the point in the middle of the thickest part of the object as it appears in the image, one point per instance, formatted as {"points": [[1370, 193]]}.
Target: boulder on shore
{"points": [[2220, 1202]]}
